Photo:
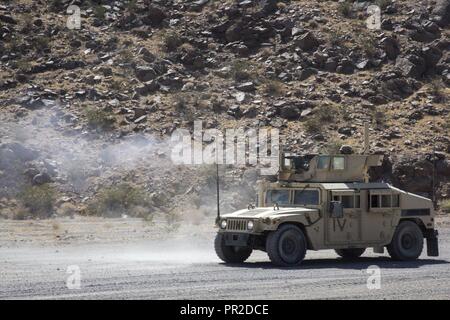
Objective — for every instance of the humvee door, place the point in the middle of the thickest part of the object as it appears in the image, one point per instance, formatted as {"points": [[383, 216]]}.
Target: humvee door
{"points": [[347, 227]]}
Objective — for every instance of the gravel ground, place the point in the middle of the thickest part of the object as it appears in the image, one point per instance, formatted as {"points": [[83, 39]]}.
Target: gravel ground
{"points": [[129, 259]]}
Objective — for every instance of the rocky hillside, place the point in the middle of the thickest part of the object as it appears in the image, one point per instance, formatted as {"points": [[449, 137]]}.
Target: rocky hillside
{"points": [[86, 113]]}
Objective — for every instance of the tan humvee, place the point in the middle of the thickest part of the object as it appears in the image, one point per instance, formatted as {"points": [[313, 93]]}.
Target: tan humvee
{"points": [[325, 202]]}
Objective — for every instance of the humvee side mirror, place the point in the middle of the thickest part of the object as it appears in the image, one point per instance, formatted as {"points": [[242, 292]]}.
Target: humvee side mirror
{"points": [[336, 209]]}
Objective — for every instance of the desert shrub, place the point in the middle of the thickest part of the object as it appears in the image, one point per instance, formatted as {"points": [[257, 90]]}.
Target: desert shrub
{"points": [[437, 89], [67, 209], [187, 47], [99, 119], [15, 45], [131, 6], [38, 200], [447, 123], [313, 125], [273, 87], [383, 4], [116, 84], [445, 205], [332, 147], [368, 44], [345, 8], [23, 65], [125, 56], [41, 43], [241, 70], [379, 117], [171, 41], [21, 214], [322, 115], [181, 102], [325, 113], [186, 106], [173, 220], [337, 39], [55, 5], [121, 199], [99, 11]]}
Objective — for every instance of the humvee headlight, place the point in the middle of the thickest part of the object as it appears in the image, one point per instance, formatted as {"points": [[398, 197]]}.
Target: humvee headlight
{"points": [[250, 225], [223, 224]]}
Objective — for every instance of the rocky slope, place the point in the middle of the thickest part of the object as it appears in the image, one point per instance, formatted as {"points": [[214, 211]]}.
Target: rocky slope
{"points": [[89, 108]]}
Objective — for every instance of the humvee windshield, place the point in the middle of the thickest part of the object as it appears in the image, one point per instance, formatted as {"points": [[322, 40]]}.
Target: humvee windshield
{"points": [[300, 197], [281, 197], [306, 197]]}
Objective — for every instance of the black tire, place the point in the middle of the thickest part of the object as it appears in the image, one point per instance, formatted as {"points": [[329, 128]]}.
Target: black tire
{"points": [[350, 254], [407, 242], [286, 246], [230, 254]]}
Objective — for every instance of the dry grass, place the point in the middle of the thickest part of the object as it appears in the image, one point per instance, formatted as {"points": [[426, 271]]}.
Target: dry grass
{"points": [[273, 87], [38, 200], [122, 199], [171, 40], [445, 205], [322, 115], [345, 8], [99, 119]]}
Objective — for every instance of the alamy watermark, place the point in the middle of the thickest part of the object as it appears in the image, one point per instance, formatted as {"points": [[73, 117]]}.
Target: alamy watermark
{"points": [[373, 22], [74, 20], [73, 281], [234, 147], [374, 280]]}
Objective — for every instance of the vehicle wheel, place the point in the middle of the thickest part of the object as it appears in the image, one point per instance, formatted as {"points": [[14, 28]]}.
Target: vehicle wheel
{"points": [[407, 243], [230, 254], [349, 254], [286, 246]]}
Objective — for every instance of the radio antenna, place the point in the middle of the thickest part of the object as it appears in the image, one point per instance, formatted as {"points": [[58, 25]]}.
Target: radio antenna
{"points": [[366, 138], [218, 192], [433, 177]]}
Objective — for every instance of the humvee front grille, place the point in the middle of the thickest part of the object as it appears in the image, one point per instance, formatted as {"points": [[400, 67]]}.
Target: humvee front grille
{"points": [[237, 224]]}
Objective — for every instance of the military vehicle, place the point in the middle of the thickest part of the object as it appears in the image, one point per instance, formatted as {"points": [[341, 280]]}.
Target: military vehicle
{"points": [[327, 202]]}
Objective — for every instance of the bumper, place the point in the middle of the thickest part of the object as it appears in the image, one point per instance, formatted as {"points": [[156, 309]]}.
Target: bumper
{"points": [[236, 239], [432, 243]]}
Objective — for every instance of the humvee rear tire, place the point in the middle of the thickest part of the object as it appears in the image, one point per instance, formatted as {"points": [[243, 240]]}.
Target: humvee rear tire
{"points": [[286, 246], [407, 243], [230, 254], [349, 254]]}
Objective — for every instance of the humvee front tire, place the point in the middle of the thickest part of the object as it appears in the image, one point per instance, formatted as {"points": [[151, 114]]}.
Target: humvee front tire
{"points": [[230, 254], [286, 246], [407, 243], [350, 254]]}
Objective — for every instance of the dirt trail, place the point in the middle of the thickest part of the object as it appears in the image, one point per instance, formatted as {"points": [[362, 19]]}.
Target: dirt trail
{"points": [[160, 265]]}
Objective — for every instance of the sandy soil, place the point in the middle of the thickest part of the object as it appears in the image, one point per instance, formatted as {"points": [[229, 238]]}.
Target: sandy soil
{"points": [[132, 259]]}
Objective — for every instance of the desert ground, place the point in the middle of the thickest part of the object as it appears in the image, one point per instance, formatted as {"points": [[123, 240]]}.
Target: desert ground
{"points": [[133, 259]]}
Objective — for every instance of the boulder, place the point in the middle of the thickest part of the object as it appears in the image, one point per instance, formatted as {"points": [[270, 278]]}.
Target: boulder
{"points": [[290, 112], [7, 19], [345, 149], [306, 73], [431, 55], [411, 65], [391, 46], [154, 16], [246, 87], [307, 42], [147, 88], [441, 12], [42, 178], [145, 73], [346, 66]]}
